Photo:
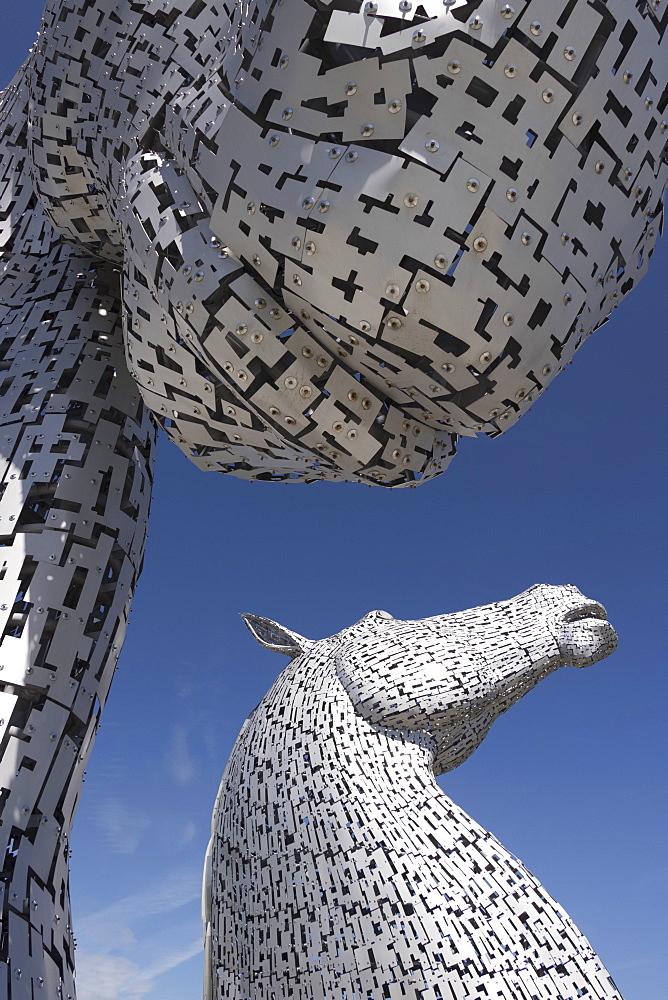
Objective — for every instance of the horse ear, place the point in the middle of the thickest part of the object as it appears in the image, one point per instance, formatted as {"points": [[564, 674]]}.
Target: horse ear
{"points": [[275, 637]]}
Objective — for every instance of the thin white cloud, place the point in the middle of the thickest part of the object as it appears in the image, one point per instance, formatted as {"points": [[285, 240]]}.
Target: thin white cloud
{"points": [[187, 833], [176, 889], [109, 977], [179, 763], [103, 973], [114, 977], [122, 826]]}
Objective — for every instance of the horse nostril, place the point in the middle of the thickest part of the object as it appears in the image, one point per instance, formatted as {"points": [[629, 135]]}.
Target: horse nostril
{"points": [[592, 609]]}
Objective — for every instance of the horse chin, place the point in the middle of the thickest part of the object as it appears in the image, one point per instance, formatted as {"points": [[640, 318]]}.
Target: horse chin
{"points": [[586, 641]]}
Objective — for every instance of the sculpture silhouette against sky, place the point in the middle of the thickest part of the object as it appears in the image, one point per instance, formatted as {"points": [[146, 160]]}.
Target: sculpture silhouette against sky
{"points": [[338, 867], [347, 236]]}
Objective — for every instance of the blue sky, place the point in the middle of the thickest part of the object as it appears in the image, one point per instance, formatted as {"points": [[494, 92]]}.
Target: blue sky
{"points": [[572, 779]]}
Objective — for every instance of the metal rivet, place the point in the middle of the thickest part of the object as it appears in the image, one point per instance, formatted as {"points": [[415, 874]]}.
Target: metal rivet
{"points": [[627, 76], [569, 53], [527, 239], [310, 248], [507, 11], [547, 369], [649, 104], [392, 290], [405, 6], [364, 325], [473, 184], [334, 152], [351, 156], [394, 106], [419, 36], [548, 95], [306, 392], [308, 203], [307, 352], [274, 140], [322, 362], [290, 420], [440, 261], [422, 286], [599, 166], [257, 337], [353, 340], [509, 319], [480, 244], [394, 323], [259, 303], [432, 145], [290, 382], [296, 243], [536, 28], [448, 368], [511, 194], [350, 88], [576, 118], [367, 129], [565, 238], [476, 22], [510, 70], [256, 260], [410, 200], [323, 206], [370, 7], [485, 358], [287, 114], [283, 62], [454, 67]]}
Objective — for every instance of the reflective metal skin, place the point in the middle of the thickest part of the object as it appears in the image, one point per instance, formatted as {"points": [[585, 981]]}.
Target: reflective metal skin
{"points": [[337, 866], [313, 241]]}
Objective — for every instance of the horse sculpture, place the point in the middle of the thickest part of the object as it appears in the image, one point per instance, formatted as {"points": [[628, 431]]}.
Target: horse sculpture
{"points": [[338, 868], [313, 241]]}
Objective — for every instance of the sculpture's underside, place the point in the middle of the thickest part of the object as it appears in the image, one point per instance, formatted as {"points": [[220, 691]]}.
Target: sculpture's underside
{"points": [[351, 232]]}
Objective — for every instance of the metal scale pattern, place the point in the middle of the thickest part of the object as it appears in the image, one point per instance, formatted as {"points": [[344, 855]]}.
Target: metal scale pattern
{"points": [[352, 232], [315, 241], [338, 868], [77, 448]]}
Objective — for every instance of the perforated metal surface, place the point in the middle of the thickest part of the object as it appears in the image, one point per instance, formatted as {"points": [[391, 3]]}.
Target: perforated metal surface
{"points": [[338, 868], [348, 234], [352, 232]]}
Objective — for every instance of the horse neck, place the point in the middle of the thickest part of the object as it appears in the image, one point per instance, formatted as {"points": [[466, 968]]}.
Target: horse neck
{"points": [[305, 746]]}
